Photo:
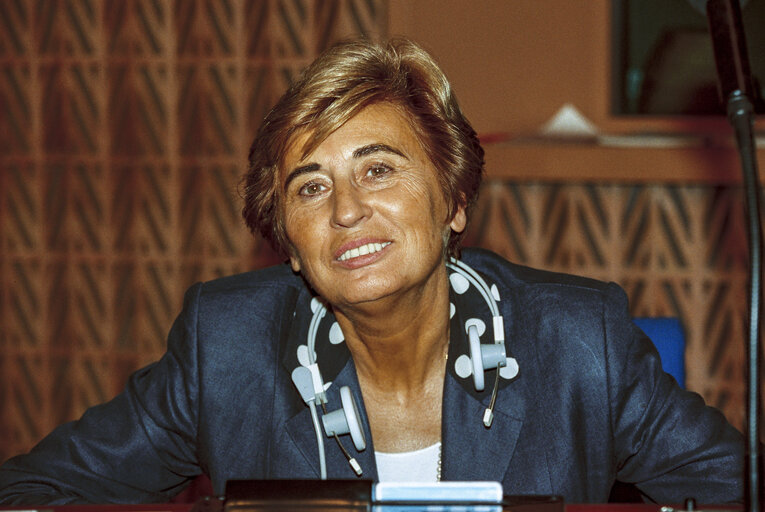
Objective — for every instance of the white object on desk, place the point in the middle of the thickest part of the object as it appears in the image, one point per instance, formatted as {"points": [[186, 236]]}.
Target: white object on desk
{"points": [[438, 492]]}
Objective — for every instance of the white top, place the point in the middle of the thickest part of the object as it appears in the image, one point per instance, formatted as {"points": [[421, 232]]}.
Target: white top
{"points": [[417, 466]]}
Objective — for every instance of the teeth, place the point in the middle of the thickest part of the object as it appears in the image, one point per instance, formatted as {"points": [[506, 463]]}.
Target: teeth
{"points": [[363, 250]]}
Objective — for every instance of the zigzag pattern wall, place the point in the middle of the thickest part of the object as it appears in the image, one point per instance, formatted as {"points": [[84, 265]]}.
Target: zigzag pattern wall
{"points": [[124, 129]]}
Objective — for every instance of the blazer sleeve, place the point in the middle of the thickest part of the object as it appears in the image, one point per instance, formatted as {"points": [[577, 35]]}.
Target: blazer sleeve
{"points": [[667, 441], [139, 447]]}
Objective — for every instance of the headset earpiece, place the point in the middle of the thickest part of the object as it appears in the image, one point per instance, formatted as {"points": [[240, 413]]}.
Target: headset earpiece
{"points": [[483, 356], [346, 420]]}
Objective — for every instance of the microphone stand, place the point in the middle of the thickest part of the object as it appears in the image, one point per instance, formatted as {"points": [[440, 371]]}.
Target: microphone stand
{"points": [[729, 44], [740, 113]]}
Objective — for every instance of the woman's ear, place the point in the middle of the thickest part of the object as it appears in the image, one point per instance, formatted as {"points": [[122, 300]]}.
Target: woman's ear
{"points": [[294, 263], [293, 257], [459, 221]]}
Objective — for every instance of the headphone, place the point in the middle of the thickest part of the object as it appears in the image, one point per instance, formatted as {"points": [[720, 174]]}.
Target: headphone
{"points": [[484, 356], [347, 420]]}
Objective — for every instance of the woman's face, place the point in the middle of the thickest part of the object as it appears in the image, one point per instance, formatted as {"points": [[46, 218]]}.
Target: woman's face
{"points": [[364, 214]]}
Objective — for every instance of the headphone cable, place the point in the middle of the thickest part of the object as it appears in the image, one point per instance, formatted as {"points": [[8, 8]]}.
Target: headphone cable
{"points": [[488, 416]]}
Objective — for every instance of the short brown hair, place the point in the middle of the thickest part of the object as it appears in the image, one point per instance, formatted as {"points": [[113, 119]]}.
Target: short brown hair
{"points": [[338, 85]]}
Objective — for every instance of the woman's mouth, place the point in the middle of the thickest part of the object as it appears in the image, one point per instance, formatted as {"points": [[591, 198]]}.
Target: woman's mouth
{"points": [[363, 250]]}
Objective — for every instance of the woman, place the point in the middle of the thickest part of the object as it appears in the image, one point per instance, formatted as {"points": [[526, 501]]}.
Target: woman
{"points": [[350, 161], [364, 175]]}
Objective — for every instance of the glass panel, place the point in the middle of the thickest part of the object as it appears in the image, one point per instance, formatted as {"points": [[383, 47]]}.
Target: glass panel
{"points": [[663, 63]]}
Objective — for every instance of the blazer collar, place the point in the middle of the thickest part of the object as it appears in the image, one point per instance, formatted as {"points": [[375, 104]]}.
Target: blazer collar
{"points": [[471, 451], [337, 370]]}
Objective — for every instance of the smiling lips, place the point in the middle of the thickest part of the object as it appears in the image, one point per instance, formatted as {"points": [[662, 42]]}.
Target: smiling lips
{"points": [[363, 250]]}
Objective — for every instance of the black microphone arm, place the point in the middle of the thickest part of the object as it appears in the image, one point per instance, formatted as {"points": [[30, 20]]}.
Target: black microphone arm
{"points": [[736, 91]]}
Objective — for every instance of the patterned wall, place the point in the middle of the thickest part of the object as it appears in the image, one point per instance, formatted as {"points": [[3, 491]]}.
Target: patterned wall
{"points": [[124, 126], [677, 250], [124, 129]]}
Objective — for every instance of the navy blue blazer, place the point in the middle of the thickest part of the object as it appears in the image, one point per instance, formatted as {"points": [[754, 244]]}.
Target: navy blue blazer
{"points": [[589, 404]]}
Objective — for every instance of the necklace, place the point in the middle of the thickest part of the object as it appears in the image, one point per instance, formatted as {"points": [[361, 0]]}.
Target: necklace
{"points": [[438, 467]]}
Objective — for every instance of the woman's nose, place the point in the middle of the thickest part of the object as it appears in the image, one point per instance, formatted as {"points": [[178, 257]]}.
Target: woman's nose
{"points": [[350, 205]]}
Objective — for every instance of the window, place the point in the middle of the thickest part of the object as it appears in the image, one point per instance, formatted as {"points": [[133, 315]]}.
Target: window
{"points": [[663, 62]]}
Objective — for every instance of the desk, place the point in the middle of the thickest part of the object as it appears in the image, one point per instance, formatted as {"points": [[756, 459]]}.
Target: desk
{"points": [[187, 507]]}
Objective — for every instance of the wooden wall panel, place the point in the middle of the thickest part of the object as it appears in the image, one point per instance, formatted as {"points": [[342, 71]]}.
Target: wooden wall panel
{"points": [[124, 130]]}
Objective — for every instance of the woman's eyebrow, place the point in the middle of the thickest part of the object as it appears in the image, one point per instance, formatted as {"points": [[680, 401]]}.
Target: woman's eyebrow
{"points": [[375, 148], [297, 171]]}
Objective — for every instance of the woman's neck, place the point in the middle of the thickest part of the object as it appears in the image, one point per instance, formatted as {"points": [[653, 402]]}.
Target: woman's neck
{"points": [[401, 341]]}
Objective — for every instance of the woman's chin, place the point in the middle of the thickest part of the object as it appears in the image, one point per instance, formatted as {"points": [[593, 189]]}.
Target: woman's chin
{"points": [[365, 292]]}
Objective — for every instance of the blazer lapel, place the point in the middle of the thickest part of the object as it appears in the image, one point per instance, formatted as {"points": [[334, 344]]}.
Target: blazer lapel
{"points": [[470, 451], [300, 429]]}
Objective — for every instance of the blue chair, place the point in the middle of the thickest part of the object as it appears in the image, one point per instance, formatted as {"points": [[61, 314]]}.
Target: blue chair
{"points": [[668, 336]]}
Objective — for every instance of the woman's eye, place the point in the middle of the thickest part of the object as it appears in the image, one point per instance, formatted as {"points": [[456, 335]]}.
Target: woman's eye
{"points": [[377, 171], [311, 189]]}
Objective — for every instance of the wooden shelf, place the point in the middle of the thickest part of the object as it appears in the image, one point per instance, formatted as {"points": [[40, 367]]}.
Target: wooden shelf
{"points": [[539, 160]]}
